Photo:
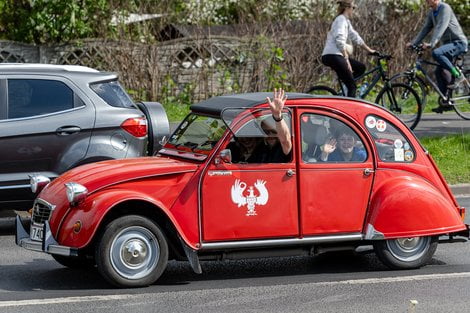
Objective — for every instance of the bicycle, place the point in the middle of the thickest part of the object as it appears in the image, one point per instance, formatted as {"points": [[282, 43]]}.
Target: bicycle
{"points": [[399, 98], [417, 78]]}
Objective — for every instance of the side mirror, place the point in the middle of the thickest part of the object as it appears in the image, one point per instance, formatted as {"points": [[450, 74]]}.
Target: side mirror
{"points": [[224, 155]]}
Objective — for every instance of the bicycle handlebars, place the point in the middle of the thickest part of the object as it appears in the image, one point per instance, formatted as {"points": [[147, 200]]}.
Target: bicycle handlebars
{"points": [[381, 56], [417, 48]]}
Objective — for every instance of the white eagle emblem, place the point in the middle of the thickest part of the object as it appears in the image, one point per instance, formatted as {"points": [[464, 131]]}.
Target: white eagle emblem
{"points": [[250, 200]]}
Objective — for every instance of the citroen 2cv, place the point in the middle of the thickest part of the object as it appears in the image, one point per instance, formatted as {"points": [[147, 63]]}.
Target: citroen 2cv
{"points": [[197, 200]]}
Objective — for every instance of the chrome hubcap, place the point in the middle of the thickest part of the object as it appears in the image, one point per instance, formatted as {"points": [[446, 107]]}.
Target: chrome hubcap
{"points": [[134, 252], [408, 249]]}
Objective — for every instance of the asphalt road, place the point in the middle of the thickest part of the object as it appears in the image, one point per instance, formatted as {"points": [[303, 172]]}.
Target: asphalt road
{"points": [[338, 282], [432, 124]]}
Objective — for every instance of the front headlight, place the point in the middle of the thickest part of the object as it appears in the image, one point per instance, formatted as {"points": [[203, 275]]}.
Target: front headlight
{"points": [[75, 193], [38, 182]]}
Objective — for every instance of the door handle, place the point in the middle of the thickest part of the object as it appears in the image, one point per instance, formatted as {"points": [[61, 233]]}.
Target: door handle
{"points": [[290, 173], [67, 130], [368, 171]]}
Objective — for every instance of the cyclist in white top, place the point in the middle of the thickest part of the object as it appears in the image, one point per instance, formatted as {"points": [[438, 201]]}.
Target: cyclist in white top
{"points": [[337, 51]]}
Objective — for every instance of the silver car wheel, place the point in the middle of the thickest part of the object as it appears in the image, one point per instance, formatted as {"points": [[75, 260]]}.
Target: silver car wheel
{"points": [[134, 252], [408, 249]]}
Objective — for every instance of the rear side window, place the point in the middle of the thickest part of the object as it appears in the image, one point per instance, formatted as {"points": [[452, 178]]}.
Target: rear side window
{"points": [[113, 94], [31, 97], [326, 139], [391, 144]]}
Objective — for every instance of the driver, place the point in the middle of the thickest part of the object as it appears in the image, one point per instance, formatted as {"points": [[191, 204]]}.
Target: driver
{"points": [[277, 145]]}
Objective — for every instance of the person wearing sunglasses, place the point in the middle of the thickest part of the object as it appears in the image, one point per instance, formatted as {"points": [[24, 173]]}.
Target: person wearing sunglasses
{"points": [[277, 143], [338, 48]]}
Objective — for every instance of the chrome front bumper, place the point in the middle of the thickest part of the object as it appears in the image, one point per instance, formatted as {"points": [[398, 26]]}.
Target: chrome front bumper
{"points": [[47, 245]]}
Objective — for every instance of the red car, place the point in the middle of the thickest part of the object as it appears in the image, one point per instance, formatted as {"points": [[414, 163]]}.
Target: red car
{"points": [[202, 198]]}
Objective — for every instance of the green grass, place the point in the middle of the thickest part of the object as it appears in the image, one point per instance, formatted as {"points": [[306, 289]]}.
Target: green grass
{"points": [[176, 112], [452, 155], [432, 100]]}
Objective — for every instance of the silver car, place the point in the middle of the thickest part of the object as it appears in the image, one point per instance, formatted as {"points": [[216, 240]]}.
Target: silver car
{"points": [[53, 118]]}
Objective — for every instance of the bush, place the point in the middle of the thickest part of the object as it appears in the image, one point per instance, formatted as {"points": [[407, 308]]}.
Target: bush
{"points": [[43, 21]]}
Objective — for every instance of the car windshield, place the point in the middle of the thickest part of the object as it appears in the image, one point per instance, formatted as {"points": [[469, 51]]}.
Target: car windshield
{"points": [[197, 133]]}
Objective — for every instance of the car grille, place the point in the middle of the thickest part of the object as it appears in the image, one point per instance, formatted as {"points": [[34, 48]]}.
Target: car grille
{"points": [[41, 211]]}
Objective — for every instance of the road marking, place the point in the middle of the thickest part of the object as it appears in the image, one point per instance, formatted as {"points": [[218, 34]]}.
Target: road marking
{"points": [[32, 302], [63, 300], [396, 279]]}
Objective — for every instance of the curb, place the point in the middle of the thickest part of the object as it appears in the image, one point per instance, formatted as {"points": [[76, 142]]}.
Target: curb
{"points": [[461, 190]]}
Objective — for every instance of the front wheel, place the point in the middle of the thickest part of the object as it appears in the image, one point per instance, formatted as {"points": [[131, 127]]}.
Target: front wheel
{"points": [[413, 81], [460, 97], [406, 253], [403, 101], [132, 252], [322, 90]]}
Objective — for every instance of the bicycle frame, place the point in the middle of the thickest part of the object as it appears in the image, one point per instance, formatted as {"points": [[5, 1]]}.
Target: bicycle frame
{"points": [[379, 74], [418, 66]]}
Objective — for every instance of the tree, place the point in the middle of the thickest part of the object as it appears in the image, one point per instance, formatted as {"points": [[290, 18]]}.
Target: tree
{"points": [[45, 21]]}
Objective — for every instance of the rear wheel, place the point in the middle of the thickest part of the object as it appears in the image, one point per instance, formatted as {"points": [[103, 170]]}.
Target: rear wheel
{"points": [[402, 101], [462, 91], [322, 90], [132, 252], [406, 253], [158, 125]]}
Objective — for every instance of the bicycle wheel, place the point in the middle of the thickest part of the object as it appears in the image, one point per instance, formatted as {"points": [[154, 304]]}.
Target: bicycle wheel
{"points": [[403, 101], [322, 90], [461, 98], [416, 82]]}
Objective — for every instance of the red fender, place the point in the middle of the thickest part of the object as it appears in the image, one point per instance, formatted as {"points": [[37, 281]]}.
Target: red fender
{"points": [[410, 207], [91, 218]]}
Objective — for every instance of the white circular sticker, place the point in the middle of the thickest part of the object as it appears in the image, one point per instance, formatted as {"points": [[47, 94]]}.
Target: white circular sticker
{"points": [[370, 121], [406, 146], [398, 144], [381, 125]]}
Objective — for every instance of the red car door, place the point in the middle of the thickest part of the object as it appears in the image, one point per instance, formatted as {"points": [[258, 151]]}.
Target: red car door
{"points": [[249, 200], [334, 191]]}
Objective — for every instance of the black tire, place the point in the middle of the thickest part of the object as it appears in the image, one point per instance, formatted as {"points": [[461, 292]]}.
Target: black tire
{"points": [[417, 83], [322, 90], [462, 107], [408, 104], [141, 266], [406, 253], [76, 262]]}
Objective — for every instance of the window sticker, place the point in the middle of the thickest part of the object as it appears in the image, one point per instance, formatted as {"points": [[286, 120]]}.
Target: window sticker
{"points": [[381, 125], [370, 122], [409, 155], [398, 144], [399, 155], [391, 144]]}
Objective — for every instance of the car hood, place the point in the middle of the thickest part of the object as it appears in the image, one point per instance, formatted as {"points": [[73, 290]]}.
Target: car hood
{"points": [[95, 176]]}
